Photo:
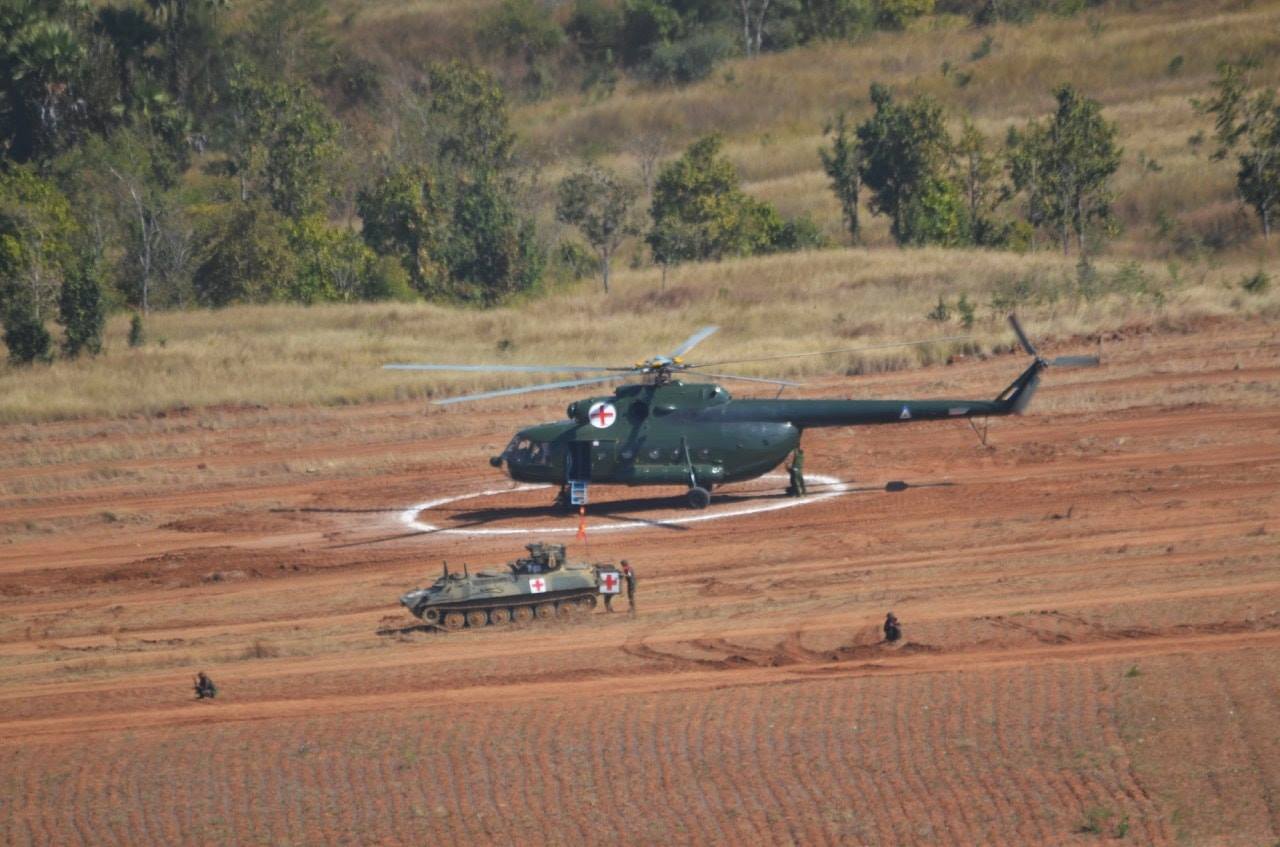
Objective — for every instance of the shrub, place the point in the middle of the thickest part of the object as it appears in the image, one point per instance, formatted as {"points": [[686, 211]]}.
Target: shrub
{"points": [[1258, 283], [387, 280], [80, 310], [690, 59], [24, 334], [137, 336]]}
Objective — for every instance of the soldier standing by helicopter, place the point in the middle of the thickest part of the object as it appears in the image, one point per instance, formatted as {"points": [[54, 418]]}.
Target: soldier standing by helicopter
{"points": [[795, 471]]}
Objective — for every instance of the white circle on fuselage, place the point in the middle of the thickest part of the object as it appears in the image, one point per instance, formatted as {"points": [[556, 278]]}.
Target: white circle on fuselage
{"points": [[409, 517], [602, 415]]}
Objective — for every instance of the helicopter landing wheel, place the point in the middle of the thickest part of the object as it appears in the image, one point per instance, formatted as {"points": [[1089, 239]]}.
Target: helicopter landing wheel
{"points": [[522, 614], [698, 498]]}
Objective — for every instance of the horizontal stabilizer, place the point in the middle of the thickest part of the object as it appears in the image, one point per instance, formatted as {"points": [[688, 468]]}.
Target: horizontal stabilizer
{"points": [[1075, 362]]}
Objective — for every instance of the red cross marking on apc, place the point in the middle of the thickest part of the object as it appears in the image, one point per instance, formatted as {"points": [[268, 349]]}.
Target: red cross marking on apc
{"points": [[537, 586], [610, 582]]}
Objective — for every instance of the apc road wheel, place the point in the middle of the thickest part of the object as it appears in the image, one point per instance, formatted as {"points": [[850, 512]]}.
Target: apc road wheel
{"points": [[522, 614], [454, 620], [499, 616], [543, 611], [477, 617], [699, 498], [588, 603], [565, 609]]}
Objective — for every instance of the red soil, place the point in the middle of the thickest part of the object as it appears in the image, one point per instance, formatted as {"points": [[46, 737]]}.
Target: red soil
{"points": [[1091, 610]]}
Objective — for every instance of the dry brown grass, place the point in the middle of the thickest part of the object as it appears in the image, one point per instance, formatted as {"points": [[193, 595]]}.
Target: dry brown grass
{"points": [[287, 355]]}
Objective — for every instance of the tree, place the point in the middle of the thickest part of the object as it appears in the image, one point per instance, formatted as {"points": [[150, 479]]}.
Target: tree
{"points": [[977, 170], [333, 263], [80, 309], [446, 206], [1024, 158], [832, 19], [905, 150], [699, 211], [247, 258], [42, 68], [24, 333], [282, 141], [1065, 166], [843, 162], [753, 17], [1251, 125], [36, 231], [599, 204], [406, 215]]}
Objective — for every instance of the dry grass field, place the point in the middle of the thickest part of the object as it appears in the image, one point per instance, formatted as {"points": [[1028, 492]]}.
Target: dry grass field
{"points": [[1091, 607], [824, 300]]}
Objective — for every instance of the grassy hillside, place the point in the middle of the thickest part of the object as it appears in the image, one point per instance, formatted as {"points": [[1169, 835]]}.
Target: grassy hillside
{"points": [[1144, 66], [1184, 248], [831, 299]]}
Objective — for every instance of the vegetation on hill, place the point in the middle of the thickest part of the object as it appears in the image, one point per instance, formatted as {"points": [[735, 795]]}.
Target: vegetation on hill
{"points": [[171, 154]]}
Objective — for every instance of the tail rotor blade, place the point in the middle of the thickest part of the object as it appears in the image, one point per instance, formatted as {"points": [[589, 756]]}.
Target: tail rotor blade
{"points": [[1022, 336], [1075, 362]]}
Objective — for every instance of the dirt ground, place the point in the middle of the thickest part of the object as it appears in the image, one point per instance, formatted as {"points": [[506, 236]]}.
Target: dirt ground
{"points": [[1091, 606]]}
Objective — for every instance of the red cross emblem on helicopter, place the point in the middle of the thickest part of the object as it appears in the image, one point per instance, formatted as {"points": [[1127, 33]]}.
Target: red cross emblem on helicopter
{"points": [[602, 415], [609, 584], [537, 586]]}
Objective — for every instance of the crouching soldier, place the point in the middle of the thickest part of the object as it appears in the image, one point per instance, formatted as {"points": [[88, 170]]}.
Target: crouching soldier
{"points": [[205, 687], [892, 629]]}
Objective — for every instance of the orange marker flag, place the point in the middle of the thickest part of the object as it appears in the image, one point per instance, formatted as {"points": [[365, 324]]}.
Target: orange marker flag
{"points": [[582, 523]]}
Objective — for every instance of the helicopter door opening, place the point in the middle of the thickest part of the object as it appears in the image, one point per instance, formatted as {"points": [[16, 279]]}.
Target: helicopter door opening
{"points": [[578, 466]]}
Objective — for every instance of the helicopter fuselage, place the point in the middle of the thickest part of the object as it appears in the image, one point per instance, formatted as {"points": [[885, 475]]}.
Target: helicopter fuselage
{"points": [[676, 433]]}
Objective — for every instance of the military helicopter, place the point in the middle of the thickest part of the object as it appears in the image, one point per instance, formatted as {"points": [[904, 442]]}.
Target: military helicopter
{"points": [[665, 430]]}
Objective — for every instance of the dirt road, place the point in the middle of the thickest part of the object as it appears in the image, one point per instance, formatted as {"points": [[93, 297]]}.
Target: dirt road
{"points": [[1091, 605]]}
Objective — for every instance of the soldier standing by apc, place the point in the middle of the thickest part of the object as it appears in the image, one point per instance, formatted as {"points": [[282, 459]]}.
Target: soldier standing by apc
{"points": [[795, 471], [630, 576]]}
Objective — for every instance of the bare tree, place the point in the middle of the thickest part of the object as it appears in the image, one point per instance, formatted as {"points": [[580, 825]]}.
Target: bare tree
{"points": [[648, 148], [148, 232], [753, 15]]}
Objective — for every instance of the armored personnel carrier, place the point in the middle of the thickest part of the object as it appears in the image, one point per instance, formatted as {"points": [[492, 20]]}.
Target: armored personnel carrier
{"points": [[541, 585]]}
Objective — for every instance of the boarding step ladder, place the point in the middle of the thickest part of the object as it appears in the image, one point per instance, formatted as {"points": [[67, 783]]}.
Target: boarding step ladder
{"points": [[578, 492]]}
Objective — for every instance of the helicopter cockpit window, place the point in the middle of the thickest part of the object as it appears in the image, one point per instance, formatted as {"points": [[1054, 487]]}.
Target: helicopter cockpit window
{"points": [[539, 453]]}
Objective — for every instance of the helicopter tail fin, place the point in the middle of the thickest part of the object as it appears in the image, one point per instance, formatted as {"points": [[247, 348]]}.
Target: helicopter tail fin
{"points": [[1017, 396]]}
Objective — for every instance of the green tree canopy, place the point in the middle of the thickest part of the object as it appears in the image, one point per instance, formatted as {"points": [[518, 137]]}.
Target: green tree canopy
{"points": [[700, 212], [599, 204], [1065, 167], [1249, 126], [905, 152]]}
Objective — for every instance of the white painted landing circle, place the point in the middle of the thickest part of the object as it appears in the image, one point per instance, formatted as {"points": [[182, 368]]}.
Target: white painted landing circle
{"points": [[832, 487]]}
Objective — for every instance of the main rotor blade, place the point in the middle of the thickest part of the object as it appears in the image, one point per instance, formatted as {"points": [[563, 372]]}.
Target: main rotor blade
{"points": [[751, 379], [698, 337], [505, 392], [1075, 362], [831, 352], [524, 369], [1022, 336]]}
